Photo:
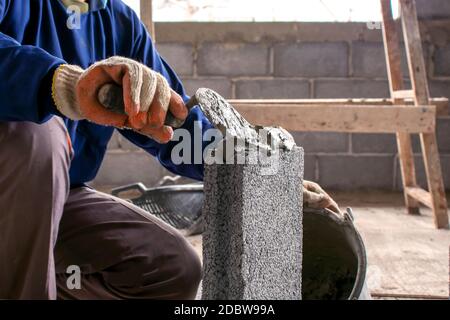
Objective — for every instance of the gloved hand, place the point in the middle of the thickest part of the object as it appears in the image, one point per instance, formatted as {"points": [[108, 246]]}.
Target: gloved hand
{"points": [[147, 96], [316, 198]]}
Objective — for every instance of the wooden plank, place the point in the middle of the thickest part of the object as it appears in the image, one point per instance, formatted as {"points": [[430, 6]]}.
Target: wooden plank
{"points": [[420, 195], [419, 81], [391, 47], [403, 94], [342, 118], [441, 104], [396, 84], [411, 296], [414, 52], [435, 181], [147, 17]]}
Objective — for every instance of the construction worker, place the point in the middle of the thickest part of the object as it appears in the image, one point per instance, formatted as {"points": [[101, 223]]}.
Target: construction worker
{"points": [[53, 137]]}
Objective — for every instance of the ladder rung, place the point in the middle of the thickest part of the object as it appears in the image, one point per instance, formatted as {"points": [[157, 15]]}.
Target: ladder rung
{"points": [[403, 94], [420, 195]]}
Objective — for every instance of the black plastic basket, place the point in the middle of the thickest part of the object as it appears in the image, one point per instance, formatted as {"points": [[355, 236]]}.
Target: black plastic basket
{"points": [[178, 205]]}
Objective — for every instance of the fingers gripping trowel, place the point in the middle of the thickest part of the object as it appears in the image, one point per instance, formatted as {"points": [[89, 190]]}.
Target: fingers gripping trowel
{"points": [[219, 112], [111, 97]]}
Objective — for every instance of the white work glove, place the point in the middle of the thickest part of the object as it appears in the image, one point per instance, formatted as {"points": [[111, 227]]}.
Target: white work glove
{"points": [[146, 93], [316, 198]]}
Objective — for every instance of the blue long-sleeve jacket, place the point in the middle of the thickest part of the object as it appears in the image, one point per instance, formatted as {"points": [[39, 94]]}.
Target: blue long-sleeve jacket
{"points": [[35, 40]]}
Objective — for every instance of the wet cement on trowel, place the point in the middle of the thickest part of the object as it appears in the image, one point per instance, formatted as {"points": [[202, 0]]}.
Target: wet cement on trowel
{"points": [[225, 118]]}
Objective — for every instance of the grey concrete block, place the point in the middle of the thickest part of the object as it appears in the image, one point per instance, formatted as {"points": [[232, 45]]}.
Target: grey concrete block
{"points": [[350, 172], [433, 9], [121, 167], [316, 142], [351, 89], [443, 134], [415, 140], [272, 89], [233, 59], [369, 59], [420, 172], [374, 143], [440, 88], [252, 247], [221, 86], [180, 56], [311, 59], [441, 61], [310, 167]]}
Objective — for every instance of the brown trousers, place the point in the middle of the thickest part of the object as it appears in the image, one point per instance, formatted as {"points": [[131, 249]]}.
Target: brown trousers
{"points": [[45, 228]]}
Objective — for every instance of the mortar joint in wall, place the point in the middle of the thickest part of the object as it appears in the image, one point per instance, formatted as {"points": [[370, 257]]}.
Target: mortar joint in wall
{"points": [[350, 143], [316, 168], [255, 78], [194, 66], [271, 60], [395, 172], [312, 88], [429, 62], [233, 88], [350, 58]]}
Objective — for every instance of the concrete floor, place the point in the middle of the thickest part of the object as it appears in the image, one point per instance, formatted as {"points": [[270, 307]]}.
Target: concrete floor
{"points": [[407, 256]]}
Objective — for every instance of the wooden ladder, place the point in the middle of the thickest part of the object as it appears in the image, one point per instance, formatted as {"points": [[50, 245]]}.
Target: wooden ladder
{"points": [[407, 112], [435, 197]]}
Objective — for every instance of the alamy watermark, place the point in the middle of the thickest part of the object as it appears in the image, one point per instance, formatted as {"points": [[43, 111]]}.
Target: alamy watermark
{"points": [[74, 19], [374, 25], [73, 281]]}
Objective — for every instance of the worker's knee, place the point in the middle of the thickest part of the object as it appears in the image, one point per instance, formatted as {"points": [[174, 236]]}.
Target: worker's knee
{"points": [[35, 144], [189, 274], [173, 273]]}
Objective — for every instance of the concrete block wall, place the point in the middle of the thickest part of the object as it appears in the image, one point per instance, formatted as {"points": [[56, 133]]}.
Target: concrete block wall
{"points": [[305, 60], [433, 9]]}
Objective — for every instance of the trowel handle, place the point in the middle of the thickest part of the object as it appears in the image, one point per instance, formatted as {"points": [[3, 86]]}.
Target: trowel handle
{"points": [[111, 97]]}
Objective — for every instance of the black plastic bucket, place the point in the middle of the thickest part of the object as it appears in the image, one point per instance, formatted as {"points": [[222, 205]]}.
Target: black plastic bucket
{"points": [[334, 257]]}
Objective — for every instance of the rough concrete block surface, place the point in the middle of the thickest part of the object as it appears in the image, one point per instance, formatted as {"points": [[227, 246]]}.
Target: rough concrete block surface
{"points": [[311, 59], [317, 142], [350, 172], [433, 9], [233, 59], [441, 62], [179, 55], [252, 246]]}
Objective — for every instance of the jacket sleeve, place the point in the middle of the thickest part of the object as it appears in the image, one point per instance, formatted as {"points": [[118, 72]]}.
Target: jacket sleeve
{"points": [[25, 79], [196, 123]]}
